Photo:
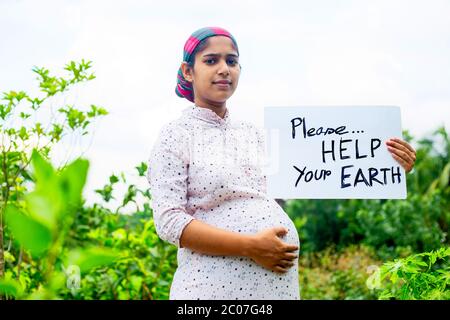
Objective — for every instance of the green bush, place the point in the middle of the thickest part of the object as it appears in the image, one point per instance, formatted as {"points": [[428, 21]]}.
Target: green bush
{"points": [[336, 274], [424, 276], [40, 226]]}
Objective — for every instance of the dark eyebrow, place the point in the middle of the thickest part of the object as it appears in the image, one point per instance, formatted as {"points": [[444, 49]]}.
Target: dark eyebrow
{"points": [[216, 54]]}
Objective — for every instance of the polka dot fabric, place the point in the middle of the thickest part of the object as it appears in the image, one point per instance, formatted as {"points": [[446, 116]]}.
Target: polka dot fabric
{"points": [[208, 168]]}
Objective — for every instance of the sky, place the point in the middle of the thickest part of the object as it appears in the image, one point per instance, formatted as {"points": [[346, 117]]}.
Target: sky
{"points": [[323, 52]]}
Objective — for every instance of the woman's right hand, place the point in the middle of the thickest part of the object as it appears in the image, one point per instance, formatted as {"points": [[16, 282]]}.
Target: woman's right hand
{"points": [[269, 251]]}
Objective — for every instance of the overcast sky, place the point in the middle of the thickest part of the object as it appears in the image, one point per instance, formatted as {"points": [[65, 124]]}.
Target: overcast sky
{"points": [[322, 52]]}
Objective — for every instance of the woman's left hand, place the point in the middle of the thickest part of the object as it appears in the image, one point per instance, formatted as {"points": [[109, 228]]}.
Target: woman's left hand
{"points": [[402, 152]]}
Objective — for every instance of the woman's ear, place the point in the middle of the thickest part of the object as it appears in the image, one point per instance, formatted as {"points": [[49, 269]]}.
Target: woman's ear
{"points": [[187, 71]]}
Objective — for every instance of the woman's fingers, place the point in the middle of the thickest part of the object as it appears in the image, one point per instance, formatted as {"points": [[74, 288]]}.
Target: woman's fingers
{"points": [[402, 152], [406, 162], [280, 269], [286, 263], [402, 162], [402, 146], [283, 265], [404, 143], [291, 247], [290, 256]]}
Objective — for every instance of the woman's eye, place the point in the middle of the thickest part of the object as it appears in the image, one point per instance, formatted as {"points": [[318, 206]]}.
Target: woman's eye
{"points": [[209, 61], [232, 61]]}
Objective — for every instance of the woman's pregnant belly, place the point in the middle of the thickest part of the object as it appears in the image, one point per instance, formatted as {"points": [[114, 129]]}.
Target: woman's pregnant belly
{"points": [[249, 216], [222, 277]]}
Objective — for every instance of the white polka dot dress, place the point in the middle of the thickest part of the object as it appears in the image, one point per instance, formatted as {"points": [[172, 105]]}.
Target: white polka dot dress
{"points": [[208, 168]]}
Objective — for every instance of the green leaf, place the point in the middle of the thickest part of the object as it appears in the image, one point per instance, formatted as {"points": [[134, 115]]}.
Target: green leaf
{"points": [[119, 234], [106, 192], [9, 257], [87, 259], [56, 132], [23, 134], [38, 129], [4, 110], [72, 180], [45, 203], [96, 111], [129, 196], [44, 206], [33, 235], [24, 115], [13, 156], [142, 169], [10, 287], [445, 176], [57, 281], [136, 282], [43, 294], [43, 169], [113, 179]]}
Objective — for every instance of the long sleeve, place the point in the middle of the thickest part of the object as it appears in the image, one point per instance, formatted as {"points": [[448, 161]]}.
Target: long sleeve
{"points": [[167, 175]]}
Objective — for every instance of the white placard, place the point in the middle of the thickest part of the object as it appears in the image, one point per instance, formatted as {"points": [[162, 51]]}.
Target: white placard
{"points": [[333, 152]]}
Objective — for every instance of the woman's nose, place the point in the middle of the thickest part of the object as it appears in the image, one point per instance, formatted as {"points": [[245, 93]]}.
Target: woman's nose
{"points": [[223, 68]]}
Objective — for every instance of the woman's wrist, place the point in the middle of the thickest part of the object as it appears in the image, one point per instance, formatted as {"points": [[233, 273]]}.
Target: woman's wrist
{"points": [[248, 244]]}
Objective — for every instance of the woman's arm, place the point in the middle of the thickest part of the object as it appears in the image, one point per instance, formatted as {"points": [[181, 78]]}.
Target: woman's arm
{"points": [[204, 238], [167, 175]]}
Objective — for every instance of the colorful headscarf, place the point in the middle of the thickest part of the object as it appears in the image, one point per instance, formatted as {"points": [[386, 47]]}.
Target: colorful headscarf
{"points": [[184, 88]]}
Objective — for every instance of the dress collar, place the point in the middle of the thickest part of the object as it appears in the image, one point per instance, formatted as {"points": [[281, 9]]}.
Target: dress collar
{"points": [[207, 115]]}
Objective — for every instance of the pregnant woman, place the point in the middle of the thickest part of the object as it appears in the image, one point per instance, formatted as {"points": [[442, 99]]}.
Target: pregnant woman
{"points": [[209, 192]]}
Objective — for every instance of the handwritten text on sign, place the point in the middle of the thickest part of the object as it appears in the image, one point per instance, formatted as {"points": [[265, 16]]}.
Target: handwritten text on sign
{"points": [[333, 152]]}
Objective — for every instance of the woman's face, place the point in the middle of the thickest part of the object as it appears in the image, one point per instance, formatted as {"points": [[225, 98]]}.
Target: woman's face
{"points": [[216, 72]]}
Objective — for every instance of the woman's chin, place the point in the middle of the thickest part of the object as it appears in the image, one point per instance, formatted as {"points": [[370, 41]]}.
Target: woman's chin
{"points": [[225, 94], [221, 98]]}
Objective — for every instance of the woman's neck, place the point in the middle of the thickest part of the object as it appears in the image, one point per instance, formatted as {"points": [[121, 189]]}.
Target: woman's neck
{"points": [[220, 110]]}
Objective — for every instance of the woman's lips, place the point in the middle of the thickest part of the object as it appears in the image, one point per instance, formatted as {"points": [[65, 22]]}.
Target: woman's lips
{"points": [[222, 84]]}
